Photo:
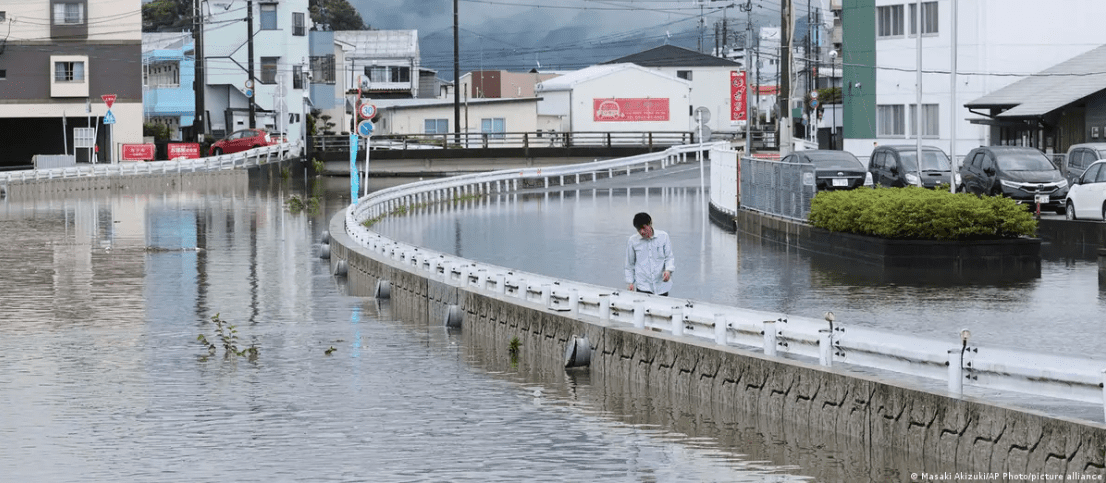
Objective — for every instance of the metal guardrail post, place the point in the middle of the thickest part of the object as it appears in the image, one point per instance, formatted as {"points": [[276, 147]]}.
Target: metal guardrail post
{"points": [[769, 337], [639, 313], [678, 320], [825, 347], [605, 307], [500, 283], [546, 294], [720, 329], [956, 371], [574, 303]]}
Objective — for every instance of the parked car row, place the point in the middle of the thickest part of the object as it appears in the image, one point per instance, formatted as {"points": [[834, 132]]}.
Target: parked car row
{"points": [[1077, 188]]}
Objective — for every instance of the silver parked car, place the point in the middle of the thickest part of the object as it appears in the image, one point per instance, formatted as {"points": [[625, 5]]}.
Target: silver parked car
{"points": [[1087, 196], [1079, 157]]}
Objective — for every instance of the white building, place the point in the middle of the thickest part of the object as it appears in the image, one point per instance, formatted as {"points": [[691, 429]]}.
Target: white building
{"points": [[436, 116], [281, 59], [617, 98], [999, 42], [710, 79]]}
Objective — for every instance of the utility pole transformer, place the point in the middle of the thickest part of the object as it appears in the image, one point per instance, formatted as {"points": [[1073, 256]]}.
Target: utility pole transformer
{"points": [[784, 100]]}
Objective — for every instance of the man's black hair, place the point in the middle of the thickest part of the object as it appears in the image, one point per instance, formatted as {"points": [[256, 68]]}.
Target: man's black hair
{"points": [[642, 219]]}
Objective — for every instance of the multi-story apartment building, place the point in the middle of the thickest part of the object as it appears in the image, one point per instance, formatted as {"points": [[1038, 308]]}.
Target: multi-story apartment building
{"points": [[997, 43], [168, 72], [275, 79], [57, 58]]}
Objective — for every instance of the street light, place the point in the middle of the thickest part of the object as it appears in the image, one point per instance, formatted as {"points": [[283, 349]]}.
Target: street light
{"points": [[833, 75]]}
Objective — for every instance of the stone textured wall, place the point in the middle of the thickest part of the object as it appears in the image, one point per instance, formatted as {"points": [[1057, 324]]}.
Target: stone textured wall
{"points": [[875, 415]]}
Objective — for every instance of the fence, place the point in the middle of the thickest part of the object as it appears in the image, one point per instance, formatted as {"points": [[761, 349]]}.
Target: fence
{"points": [[468, 140], [776, 188], [243, 159], [957, 362]]}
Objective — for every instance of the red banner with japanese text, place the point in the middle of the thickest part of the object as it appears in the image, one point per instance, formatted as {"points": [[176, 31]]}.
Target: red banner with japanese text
{"points": [[184, 150], [138, 152], [629, 110], [738, 96]]}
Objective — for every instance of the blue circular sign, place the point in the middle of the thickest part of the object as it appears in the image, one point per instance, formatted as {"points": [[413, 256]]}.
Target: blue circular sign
{"points": [[249, 92], [365, 128]]}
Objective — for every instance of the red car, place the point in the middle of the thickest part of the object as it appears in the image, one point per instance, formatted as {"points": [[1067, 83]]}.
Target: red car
{"points": [[241, 141]]}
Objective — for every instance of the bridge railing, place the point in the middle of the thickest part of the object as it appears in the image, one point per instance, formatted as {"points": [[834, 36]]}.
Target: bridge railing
{"points": [[956, 362], [537, 139], [244, 159]]}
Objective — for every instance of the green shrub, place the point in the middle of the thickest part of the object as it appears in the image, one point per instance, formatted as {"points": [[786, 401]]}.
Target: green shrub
{"points": [[920, 214]]}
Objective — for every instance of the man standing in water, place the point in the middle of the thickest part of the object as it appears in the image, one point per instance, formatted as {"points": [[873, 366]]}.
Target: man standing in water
{"points": [[649, 258]]}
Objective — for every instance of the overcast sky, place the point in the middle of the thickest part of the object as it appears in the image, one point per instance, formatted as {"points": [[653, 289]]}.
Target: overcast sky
{"points": [[518, 35]]}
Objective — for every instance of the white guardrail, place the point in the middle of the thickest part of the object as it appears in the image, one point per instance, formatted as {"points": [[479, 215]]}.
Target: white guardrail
{"points": [[957, 361], [244, 159]]}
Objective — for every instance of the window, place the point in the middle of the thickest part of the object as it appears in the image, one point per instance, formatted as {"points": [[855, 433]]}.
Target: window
{"points": [[436, 126], [930, 121], [3, 74], [684, 74], [891, 120], [297, 77], [929, 18], [400, 74], [298, 27], [68, 71], [494, 126], [377, 74], [268, 16], [322, 69], [889, 21], [269, 70], [68, 13], [3, 16]]}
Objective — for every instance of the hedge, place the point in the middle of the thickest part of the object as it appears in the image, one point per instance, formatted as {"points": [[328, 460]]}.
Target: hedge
{"points": [[920, 214]]}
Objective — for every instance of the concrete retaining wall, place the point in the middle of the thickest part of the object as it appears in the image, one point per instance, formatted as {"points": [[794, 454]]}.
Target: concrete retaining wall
{"points": [[942, 432]]}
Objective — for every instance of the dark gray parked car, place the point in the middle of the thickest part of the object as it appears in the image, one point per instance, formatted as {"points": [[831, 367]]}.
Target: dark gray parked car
{"points": [[897, 167], [833, 170], [1019, 172]]}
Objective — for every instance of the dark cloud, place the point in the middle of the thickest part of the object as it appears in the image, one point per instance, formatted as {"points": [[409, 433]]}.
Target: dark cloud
{"points": [[499, 35]]}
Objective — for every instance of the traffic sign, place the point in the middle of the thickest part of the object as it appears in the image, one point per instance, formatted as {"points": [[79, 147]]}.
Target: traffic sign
{"points": [[249, 92], [814, 103], [109, 118], [249, 83], [813, 94], [109, 99], [368, 111], [365, 128]]}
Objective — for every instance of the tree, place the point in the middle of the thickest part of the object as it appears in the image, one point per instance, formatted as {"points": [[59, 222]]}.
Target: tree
{"points": [[167, 16], [336, 14]]}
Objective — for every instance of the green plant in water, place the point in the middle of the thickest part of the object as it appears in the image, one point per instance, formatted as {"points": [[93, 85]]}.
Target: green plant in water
{"points": [[319, 165], [330, 350], [297, 203], [514, 346], [227, 335], [285, 173]]}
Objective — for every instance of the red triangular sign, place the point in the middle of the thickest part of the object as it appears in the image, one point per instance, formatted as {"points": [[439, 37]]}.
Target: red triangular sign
{"points": [[109, 99]]}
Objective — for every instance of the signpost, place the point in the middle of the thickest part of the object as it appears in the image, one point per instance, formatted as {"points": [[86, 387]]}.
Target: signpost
{"points": [[109, 120], [365, 128]]}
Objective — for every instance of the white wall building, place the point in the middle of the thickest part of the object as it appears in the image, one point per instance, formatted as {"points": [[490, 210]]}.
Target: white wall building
{"points": [[617, 98], [436, 116], [999, 42], [281, 59]]}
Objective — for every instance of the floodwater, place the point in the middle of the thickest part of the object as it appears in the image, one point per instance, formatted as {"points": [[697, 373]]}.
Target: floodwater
{"points": [[580, 233], [103, 297]]}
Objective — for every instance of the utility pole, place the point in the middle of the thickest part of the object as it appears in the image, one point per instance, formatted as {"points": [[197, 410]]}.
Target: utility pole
{"points": [[456, 79], [199, 85], [784, 100], [748, 8], [249, 64]]}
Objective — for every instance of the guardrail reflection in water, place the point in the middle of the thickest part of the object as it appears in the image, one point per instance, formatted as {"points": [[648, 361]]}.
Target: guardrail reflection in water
{"points": [[955, 362]]}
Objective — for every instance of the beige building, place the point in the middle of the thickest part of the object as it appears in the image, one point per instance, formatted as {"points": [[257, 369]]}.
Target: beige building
{"points": [[436, 116]]}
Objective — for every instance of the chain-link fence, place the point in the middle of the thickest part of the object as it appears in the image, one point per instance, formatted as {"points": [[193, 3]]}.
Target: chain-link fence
{"points": [[777, 188]]}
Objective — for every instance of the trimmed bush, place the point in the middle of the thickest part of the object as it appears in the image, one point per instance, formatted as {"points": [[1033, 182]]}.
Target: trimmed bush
{"points": [[920, 214]]}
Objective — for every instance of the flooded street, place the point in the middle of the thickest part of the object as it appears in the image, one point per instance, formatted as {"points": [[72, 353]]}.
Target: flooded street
{"points": [[102, 376]]}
